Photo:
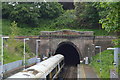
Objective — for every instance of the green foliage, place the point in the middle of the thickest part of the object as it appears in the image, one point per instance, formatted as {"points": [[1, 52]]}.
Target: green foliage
{"points": [[30, 13], [6, 27], [6, 10], [87, 15], [50, 10], [116, 42], [119, 65], [25, 13], [0, 48], [15, 52], [14, 29], [11, 52], [66, 20], [0, 27], [44, 26], [110, 21], [109, 18], [107, 58], [13, 49]]}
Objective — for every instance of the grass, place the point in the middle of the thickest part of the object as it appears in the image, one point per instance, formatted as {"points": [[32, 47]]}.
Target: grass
{"points": [[24, 29], [11, 57], [0, 49], [13, 51], [119, 65], [106, 63], [0, 26]]}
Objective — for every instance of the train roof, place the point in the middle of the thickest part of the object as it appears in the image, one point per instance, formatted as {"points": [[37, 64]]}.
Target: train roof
{"points": [[40, 69]]}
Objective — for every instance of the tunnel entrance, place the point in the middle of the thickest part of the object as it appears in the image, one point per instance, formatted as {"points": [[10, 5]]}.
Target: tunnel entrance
{"points": [[70, 52]]}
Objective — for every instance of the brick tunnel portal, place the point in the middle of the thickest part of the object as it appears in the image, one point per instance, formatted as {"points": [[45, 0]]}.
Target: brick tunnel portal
{"points": [[70, 52]]}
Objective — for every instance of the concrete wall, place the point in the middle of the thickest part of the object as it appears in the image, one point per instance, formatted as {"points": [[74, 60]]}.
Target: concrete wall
{"points": [[104, 42]]}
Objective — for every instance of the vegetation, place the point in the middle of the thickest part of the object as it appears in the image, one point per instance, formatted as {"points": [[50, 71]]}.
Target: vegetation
{"points": [[105, 13], [34, 17], [107, 57], [87, 15], [30, 13], [84, 16], [110, 17], [110, 21], [15, 52], [0, 26], [24, 29], [13, 49], [0, 49], [119, 65], [116, 42]]}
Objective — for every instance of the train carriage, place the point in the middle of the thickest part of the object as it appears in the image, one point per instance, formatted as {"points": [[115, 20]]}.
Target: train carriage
{"points": [[48, 69]]}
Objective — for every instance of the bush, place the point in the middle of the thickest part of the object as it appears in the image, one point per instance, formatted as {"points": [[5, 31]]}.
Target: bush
{"points": [[14, 52], [119, 65], [13, 49], [116, 42], [66, 20]]}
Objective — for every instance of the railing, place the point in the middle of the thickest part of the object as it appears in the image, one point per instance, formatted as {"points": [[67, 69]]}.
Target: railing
{"points": [[16, 64]]}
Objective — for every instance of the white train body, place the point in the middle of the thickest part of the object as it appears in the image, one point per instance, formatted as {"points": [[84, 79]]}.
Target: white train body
{"points": [[45, 69]]}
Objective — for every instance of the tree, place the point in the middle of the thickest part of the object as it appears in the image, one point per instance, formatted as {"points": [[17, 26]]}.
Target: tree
{"points": [[31, 12], [14, 29], [25, 13], [11, 41], [87, 15], [110, 21], [6, 10], [50, 10]]}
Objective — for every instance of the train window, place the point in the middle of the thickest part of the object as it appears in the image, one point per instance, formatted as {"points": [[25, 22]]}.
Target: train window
{"points": [[48, 77], [61, 63], [53, 72], [57, 68]]}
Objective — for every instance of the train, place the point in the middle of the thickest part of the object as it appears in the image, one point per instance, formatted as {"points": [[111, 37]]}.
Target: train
{"points": [[45, 70]]}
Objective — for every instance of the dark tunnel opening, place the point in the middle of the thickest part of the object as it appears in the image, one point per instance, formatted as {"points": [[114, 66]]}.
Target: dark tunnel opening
{"points": [[70, 53]]}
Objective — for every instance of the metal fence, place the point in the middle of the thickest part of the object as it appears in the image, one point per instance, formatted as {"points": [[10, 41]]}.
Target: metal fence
{"points": [[16, 64], [13, 65], [31, 61]]}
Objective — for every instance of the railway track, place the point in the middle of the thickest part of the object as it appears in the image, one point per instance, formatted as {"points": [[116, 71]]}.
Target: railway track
{"points": [[69, 72]]}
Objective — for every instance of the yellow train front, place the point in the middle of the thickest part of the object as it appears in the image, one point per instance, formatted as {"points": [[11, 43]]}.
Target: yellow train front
{"points": [[47, 69]]}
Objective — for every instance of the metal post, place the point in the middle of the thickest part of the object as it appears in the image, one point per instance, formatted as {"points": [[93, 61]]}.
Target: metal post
{"points": [[25, 53], [93, 51], [50, 45], [2, 53], [2, 58], [116, 59], [89, 55], [100, 58], [116, 52], [37, 48]]}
